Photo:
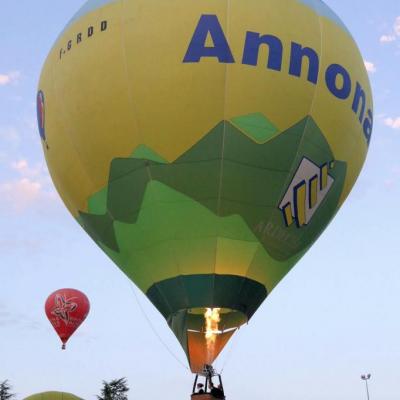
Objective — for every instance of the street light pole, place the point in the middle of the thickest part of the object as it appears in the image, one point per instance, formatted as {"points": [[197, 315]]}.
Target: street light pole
{"points": [[366, 378]]}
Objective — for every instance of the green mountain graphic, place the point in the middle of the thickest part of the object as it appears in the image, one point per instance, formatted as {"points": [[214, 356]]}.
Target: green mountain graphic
{"points": [[239, 169]]}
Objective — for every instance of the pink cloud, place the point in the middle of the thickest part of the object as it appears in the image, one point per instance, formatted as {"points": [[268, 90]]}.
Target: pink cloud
{"points": [[31, 187], [20, 193], [10, 77], [393, 123], [370, 66]]}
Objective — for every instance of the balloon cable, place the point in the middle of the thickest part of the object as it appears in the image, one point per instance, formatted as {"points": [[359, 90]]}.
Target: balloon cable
{"points": [[230, 351], [155, 331]]}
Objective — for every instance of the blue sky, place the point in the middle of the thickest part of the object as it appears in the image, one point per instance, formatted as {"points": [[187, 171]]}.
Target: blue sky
{"points": [[332, 318]]}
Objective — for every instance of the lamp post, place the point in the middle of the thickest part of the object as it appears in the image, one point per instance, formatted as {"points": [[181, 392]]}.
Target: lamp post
{"points": [[365, 378]]}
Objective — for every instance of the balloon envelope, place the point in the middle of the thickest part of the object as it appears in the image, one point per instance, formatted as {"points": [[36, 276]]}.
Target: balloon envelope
{"points": [[53, 396], [205, 146], [66, 309]]}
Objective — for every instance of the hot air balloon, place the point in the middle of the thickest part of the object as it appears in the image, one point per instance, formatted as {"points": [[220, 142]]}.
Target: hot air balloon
{"points": [[205, 146], [66, 309], [53, 396]]}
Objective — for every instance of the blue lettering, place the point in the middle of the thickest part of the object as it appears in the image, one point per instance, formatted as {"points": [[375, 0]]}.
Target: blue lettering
{"points": [[252, 48], [333, 71], [359, 97], [296, 61], [303, 61], [368, 125], [208, 24]]}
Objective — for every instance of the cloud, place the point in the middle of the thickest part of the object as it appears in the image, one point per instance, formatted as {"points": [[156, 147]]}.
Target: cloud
{"points": [[20, 193], [396, 26], [31, 186], [10, 77], [25, 170], [387, 38], [394, 35], [370, 66], [393, 123]]}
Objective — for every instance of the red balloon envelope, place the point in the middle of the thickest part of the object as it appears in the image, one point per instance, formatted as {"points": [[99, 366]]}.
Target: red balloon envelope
{"points": [[66, 309]]}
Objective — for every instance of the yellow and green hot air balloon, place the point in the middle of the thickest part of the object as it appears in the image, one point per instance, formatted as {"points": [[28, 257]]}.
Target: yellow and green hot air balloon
{"points": [[204, 146], [53, 396]]}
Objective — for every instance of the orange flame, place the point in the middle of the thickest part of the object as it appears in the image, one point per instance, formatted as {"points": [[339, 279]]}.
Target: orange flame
{"points": [[212, 319]]}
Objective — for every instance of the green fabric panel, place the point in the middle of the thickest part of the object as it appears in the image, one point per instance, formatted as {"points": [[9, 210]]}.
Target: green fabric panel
{"points": [[208, 148], [149, 265], [211, 290], [275, 155], [146, 153], [178, 323], [97, 204], [257, 126], [101, 228], [198, 180], [162, 244], [311, 135], [234, 256], [127, 186], [196, 256], [250, 185], [269, 271], [234, 227]]}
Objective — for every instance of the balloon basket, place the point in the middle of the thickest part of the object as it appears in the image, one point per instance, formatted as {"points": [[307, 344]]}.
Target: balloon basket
{"points": [[63, 347], [208, 391], [204, 396]]}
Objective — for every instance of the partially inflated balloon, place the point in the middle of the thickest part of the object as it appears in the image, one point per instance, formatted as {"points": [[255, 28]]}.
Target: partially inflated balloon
{"points": [[205, 145], [66, 309], [52, 396]]}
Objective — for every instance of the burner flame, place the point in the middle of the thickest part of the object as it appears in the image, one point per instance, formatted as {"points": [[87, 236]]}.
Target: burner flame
{"points": [[212, 319]]}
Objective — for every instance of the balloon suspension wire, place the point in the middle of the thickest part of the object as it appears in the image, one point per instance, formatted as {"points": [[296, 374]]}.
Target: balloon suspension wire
{"points": [[155, 331], [230, 351]]}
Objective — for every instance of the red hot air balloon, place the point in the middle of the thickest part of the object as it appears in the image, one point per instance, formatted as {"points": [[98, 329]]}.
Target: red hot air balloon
{"points": [[66, 309]]}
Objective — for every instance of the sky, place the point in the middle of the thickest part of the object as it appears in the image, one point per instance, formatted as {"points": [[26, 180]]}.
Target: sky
{"points": [[332, 318]]}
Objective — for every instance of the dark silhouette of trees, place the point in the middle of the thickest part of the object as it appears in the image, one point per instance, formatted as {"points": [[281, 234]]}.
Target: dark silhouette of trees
{"points": [[5, 391], [117, 389]]}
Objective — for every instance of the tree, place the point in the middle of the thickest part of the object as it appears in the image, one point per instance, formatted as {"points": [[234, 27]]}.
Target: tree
{"points": [[5, 391], [114, 390]]}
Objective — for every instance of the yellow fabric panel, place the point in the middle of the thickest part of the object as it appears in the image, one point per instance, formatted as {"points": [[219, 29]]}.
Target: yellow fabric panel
{"points": [[173, 104], [300, 205], [288, 215], [94, 110], [255, 88], [313, 192], [324, 176]]}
